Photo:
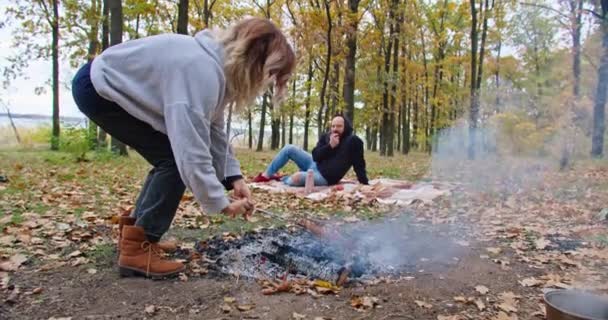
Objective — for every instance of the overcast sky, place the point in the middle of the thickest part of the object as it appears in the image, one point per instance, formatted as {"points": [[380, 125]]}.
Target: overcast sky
{"points": [[20, 96]]}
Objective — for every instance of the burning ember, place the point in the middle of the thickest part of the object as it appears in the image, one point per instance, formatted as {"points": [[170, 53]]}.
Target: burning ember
{"points": [[334, 254]]}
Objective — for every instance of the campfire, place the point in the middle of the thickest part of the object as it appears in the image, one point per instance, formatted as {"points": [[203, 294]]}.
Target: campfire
{"points": [[332, 253]]}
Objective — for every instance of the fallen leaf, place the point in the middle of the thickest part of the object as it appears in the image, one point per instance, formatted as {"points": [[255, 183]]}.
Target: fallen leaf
{"points": [[462, 243], [79, 261], [7, 241], [530, 282], [541, 243], [480, 305], [75, 254], [460, 299], [92, 271], [245, 307], [37, 290], [4, 280], [183, 277], [229, 299], [363, 303], [325, 287], [423, 304], [13, 263], [482, 289], [454, 317], [503, 316], [151, 309], [351, 219], [494, 251], [298, 316], [225, 308], [509, 302]]}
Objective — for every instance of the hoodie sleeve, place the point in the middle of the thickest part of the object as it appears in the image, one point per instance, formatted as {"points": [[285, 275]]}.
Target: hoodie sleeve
{"points": [[359, 161], [189, 134], [322, 150], [221, 149]]}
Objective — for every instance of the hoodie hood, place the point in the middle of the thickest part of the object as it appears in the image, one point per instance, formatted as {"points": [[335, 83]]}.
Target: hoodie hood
{"points": [[348, 128], [207, 40]]}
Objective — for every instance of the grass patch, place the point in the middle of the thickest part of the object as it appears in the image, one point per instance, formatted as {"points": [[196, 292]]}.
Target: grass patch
{"points": [[102, 254]]}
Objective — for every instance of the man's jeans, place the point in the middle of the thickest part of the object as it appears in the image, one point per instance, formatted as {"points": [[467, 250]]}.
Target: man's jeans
{"points": [[163, 188], [302, 159]]}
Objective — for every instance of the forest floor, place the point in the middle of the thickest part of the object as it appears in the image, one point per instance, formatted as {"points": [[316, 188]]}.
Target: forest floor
{"points": [[516, 237]]}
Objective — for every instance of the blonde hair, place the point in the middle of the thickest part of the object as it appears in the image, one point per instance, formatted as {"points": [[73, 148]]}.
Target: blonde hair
{"points": [[256, 54]]}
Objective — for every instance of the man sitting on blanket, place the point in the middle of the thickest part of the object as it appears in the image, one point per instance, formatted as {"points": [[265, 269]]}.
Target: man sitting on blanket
{"points": [[336, 151]]}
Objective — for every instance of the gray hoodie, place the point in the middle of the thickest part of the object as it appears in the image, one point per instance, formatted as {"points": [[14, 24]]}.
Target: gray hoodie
{"points": [[176, 84]]}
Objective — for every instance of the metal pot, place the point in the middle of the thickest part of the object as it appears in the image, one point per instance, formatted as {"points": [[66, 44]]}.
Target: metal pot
{"points": [[575, 305]]}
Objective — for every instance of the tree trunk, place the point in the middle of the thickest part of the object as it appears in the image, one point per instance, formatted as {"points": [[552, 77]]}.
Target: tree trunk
{"points": [[250, 125], [307, 104], [426, 100], [229, 121], [92, 51], [599, 108], [399, 122], [105, 43], [348, 89], [394, 75], [497, 75], [292, 111], [386, 112], [55, 54], [368, 138], [334, 89], [375, 138], [283, 130], [406, 131], [473, 115], [576, 8], [208, 12], [323, 106], [262, 123], [415, 122], [482, 49], [182, 17], [275, 126], [116, 22]]}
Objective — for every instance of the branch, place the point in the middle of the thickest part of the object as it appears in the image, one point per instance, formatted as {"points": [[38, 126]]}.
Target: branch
{"points": [[211, 5], [597, 15], [589, 59], [47, 14], [542, 6], [259, 6], [293, 17]]}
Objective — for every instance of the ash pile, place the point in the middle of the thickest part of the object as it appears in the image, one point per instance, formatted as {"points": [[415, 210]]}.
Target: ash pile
{"points": [[335, 253]]}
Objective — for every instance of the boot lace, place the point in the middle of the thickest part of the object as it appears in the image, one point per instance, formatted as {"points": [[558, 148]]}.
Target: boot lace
{"points": [[151, 248]]}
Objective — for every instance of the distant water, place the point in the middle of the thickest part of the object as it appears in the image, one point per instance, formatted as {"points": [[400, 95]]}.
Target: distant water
{"points": [[22, 122]]}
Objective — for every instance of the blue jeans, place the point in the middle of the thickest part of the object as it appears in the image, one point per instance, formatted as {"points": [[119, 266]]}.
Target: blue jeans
{"points": [[304, 162], [163, 189]]}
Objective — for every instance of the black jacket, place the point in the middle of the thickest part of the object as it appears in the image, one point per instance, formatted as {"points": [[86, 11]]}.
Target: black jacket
{"points": [[334, 163]]}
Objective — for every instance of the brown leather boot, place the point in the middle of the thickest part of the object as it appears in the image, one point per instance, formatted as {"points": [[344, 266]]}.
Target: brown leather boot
{"points": [[126, 220], [138, 256]]}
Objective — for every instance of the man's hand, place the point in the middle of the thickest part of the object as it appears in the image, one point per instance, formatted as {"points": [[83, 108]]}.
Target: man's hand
{"points": [[241, 191], [334, 140], [238, 207]]}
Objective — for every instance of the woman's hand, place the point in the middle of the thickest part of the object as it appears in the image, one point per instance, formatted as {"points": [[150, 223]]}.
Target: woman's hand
{"points": [[241, 191], [239, 207]]}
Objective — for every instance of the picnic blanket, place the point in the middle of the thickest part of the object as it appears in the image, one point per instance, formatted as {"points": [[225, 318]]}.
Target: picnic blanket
{"points": [[385, 191]]}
